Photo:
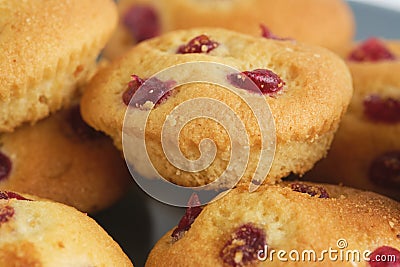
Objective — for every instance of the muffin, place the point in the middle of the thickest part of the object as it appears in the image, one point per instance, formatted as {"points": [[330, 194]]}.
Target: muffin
{"points": [[372, 124], [307, 88], [43, 233], [302, 220], [63, 159], [328, 23], [47, 50], [138, 20]]}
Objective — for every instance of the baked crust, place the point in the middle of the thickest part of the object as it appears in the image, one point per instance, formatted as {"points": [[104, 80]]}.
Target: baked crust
{"points": [[47, 50], [328, 23], [63, 159], [42, 233], [290, 220], [368, 139]]}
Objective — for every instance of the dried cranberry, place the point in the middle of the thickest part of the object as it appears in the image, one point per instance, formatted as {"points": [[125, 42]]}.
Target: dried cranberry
{"points": [[379, 109], [5, 166], [385, 256], [79, 126], [267, 81], [10, 195], [142, 22], [243, 246], [310, 189], [133, 86], [371, 50], [154, 90], [6, 214], [199, 44], [385, 169], [266, 33], [191, 214]]}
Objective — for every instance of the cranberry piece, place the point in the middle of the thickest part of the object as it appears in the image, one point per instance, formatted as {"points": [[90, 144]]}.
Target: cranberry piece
{"points": [[385, 256], [79, 126], [199, 44], [10, 195], [379, 109], [186, 221], [5, 166], [267, 81], [142, 22], [243, 246], [371, 49], [266, 33], [385, 169], [310, 189], [133, 86], [155, 91], [6, 214]]}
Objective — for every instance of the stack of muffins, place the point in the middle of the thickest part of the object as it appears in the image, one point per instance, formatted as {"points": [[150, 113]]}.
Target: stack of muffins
{"points": [[295, 52], [48, 51]]}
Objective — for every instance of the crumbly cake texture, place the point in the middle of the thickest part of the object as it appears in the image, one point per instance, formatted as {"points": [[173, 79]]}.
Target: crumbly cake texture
{"points": [[47, 50], [328, 23], [43, 233], [63, 159], [307, 111], [289, 220], [368, 139]]}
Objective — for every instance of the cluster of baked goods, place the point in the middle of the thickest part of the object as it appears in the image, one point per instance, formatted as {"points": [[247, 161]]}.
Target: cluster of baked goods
{"points": [[294, 57], [308, 90], [48, 51]]}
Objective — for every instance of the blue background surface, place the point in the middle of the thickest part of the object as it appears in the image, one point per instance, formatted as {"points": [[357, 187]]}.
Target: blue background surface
{"points": [[376, 21]]}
